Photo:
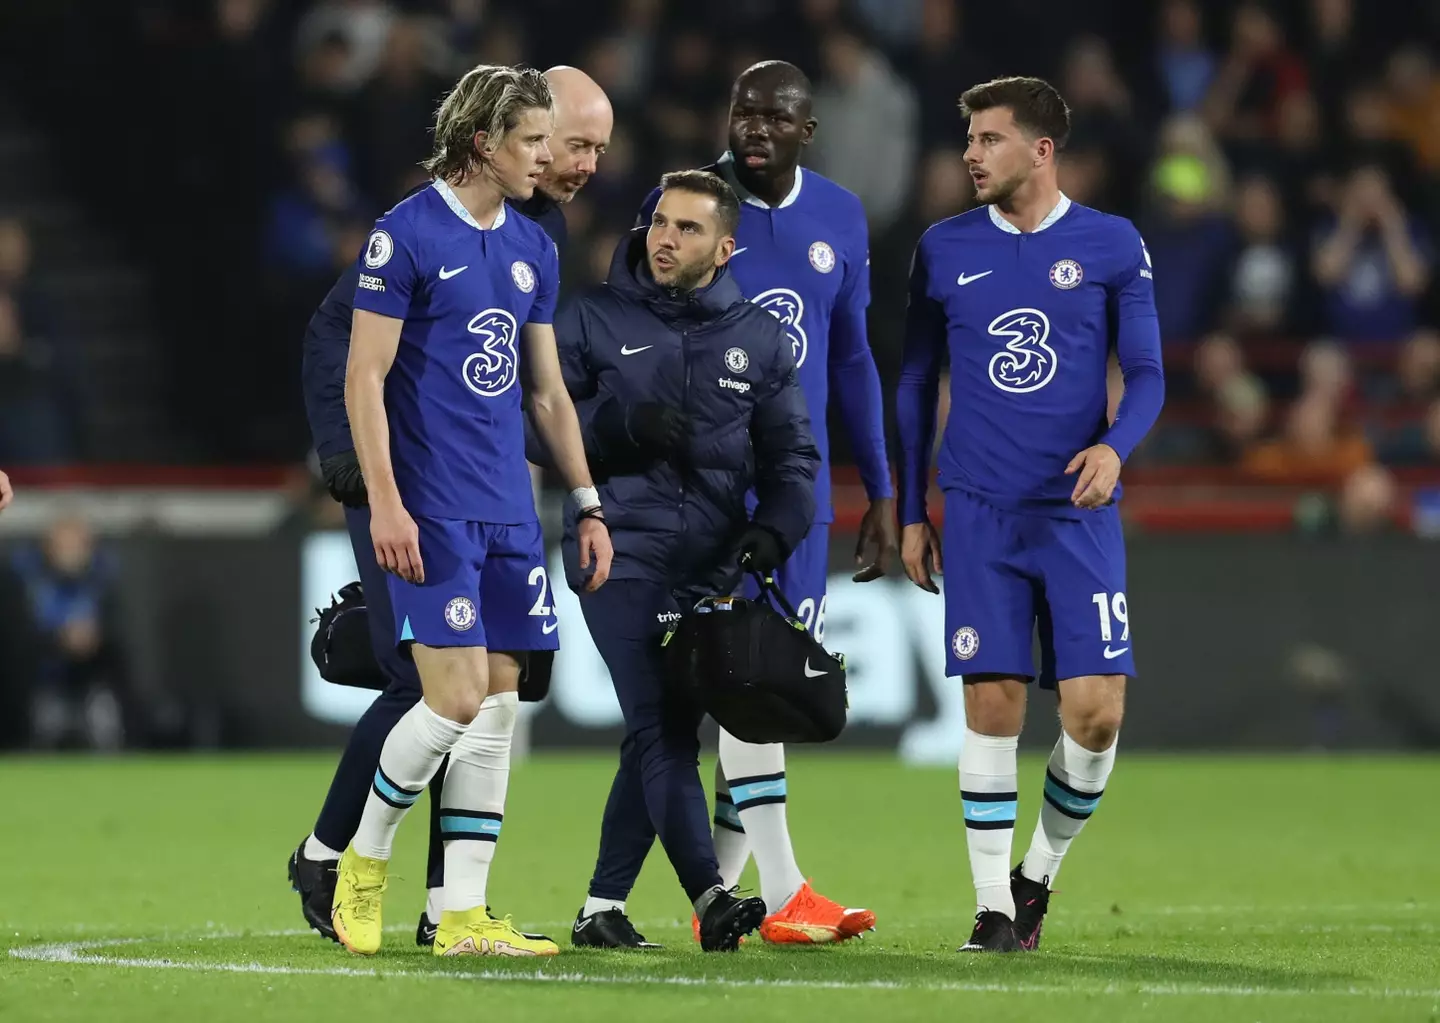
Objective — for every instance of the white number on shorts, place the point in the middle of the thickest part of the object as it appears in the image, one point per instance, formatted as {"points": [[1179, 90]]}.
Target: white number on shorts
{"points": [[1112, 606], [813, 616], [541, 606]]}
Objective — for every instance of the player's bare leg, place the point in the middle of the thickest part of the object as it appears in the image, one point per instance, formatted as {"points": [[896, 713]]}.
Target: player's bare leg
{"points": [[1091, 709], [994, 715], [472, 814], [454, 680]]}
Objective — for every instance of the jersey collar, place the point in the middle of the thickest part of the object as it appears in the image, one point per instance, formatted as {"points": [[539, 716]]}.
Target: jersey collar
{"points": [[1061, 208], [726, 166], [458, 208]]}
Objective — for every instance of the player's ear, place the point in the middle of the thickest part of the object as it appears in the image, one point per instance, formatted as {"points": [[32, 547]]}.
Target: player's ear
{"points": [[725, 250], [807, 134], [1044, 149]]}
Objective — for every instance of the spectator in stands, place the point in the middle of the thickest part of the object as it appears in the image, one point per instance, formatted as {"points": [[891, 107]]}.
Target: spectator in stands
{"points": [[1417, 370], [1416, 442], [871, 119], [1316, 447], [1368, 138], [1103, 116], [1326, 371], [365, 24], [16, 281], [688, 87], [1414, 113], [1259, 72], [393, 114], [1085, 176], [33, 427], [324, 85], [1218, 360], [1189, 235], [1367, 500], [1371, 262], [1242, 414], [1186, 65], [1267, 271], [82, 680], [320, 198], [1333, 58], [942, 67]]}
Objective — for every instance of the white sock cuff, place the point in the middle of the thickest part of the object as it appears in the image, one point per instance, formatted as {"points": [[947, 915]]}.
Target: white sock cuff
{"points": [[435, 733], [1083, 766], [750, 760], [997, 743]]}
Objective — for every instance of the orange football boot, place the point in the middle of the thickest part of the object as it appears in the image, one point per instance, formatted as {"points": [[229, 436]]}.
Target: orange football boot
{"points": [[809, 918]]}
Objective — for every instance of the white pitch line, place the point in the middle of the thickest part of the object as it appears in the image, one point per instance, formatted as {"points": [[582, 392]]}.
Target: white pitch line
{"points": [[80, 953]]}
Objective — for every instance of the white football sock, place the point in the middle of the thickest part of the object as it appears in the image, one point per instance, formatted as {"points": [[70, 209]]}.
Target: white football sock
{"points": [[434, 904], [318, 850], [732, 845], [756, 777], [987, 792], [594, 905], [1074, 781], [473, 807], [408, 760]]}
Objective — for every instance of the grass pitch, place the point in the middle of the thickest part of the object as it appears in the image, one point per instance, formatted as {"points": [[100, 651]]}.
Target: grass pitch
{"points": [[1235, 889]]}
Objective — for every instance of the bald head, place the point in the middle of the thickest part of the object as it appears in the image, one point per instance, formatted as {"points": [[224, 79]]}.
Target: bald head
{"points": [[770, 124], [775, 78], [583, 122]]}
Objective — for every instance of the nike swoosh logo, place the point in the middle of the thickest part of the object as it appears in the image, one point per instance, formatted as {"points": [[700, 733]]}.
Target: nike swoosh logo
{"points": [[738, 251], [811, 672], [985, 813], [965, 279], [624, 350], [580, 925], [549, 627], [1112, 654], [445, 275]]}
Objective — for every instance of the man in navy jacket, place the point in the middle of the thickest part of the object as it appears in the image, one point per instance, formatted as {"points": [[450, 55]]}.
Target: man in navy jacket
{"points": [[688, 398]]}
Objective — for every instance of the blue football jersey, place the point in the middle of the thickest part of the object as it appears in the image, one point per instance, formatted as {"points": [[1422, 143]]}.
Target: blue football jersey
{"points": [[807, 262], [457, 436], [1030, 320]]}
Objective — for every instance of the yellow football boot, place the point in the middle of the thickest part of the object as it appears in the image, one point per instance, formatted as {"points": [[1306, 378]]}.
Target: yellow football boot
{"points": [[355, 914], [473, 932]]}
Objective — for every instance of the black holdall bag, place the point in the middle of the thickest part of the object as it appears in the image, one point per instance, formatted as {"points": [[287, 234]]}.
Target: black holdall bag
{"points": [[341, 646], [758, 673], [343, 655]]}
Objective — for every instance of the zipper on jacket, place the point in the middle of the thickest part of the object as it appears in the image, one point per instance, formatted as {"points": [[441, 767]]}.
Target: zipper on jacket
{"points": [[684, 407]]}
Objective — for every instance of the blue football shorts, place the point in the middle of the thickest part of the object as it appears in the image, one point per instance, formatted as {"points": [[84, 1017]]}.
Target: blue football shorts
{"points": [[1011, 577], [485, 586]]}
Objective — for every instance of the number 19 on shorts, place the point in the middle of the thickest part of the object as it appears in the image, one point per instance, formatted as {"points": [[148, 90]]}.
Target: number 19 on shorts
{"points": [[1111, 607]]}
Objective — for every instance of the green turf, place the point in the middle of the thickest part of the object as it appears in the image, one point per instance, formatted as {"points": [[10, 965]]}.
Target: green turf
{"points": [[1206, 889]]}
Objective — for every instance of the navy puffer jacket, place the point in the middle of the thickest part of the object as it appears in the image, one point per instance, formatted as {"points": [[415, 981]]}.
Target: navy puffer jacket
{"points": [[728, 365]]}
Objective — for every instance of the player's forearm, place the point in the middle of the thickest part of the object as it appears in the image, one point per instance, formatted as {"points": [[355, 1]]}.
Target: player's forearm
{"points": [[856, 383], [559, 429], [365, 403], [916, 401], [1138, 346]]}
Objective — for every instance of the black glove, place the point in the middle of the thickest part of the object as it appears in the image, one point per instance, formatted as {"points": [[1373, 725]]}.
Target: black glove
{"points": [[343, 479], [658, 430], [759, 550]]}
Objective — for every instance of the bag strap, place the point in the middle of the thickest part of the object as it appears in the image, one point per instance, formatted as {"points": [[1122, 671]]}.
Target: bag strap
{"points": [[769, 589]]}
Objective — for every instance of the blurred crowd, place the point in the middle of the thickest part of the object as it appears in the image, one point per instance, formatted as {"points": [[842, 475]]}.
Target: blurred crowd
{"points": [[1281, 159], [35, 422]]}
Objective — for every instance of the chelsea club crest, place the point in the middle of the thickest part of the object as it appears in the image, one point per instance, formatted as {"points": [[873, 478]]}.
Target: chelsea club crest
{"points": [[1066, 274], [822, 257], [522, 275]]}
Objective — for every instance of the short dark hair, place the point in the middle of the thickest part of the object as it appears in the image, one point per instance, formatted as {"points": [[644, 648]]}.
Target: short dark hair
{"points": [[727, 205], [1036, 105]]}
